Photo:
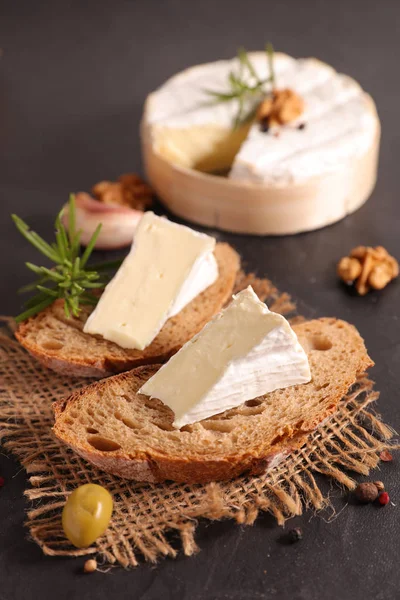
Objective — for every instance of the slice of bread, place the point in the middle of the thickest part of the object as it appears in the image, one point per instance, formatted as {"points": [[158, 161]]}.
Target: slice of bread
{"points": [[131, 435], [60, 344]]}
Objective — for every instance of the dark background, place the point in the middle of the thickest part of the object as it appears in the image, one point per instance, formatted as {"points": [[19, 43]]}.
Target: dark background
{"points": [[73, 78]]}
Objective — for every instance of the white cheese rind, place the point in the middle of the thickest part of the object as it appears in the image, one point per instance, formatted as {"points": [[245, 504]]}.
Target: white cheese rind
{"points": [[167, 267], [203, 274], [244, 352], [338, 127]]}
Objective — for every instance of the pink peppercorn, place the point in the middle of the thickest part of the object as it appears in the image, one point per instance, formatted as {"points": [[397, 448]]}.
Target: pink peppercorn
{"points": [[386, 456], [2, 481], [383, 498]]}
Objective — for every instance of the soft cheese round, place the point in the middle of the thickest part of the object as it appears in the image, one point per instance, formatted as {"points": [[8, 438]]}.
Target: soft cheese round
{"points": [[185, 128]]}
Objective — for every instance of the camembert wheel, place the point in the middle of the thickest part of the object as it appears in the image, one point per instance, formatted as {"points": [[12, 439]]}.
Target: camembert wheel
{"points": [[283, 179]]}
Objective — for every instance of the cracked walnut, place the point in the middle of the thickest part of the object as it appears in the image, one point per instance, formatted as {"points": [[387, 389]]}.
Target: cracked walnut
{"points": [[368, 268]]}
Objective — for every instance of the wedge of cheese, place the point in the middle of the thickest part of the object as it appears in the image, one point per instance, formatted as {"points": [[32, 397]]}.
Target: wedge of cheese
{"points": [[244, 352], [167, 267]]}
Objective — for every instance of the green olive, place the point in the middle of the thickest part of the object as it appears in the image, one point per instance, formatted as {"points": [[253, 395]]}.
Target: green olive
{"points": [[86, 514]]}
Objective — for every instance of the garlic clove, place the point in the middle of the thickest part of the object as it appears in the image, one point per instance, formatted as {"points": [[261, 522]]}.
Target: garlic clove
{"points": [[118, 222]]}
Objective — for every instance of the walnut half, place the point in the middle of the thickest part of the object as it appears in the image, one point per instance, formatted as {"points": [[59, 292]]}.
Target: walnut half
{"points": [[280, 108], [130, 190], [368, 268]]}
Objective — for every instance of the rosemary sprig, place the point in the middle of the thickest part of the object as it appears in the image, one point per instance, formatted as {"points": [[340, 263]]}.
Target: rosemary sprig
{"points": [[270, 55], [245, 86], [69, 278]]}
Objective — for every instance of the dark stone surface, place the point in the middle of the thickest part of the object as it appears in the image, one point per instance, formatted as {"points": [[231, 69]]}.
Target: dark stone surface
{"points": [[73, 77]]}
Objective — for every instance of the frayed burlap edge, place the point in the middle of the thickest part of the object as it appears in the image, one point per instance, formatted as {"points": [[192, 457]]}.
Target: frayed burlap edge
{"points": [[145, 515]]}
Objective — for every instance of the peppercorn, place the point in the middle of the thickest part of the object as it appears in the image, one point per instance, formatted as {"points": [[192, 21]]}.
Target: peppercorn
{"points": [[295, 535], [366, 492], [264, 126], [386, 456], [383, 498], [379, 485], [301, 126], [90, 566], [2, 481]]}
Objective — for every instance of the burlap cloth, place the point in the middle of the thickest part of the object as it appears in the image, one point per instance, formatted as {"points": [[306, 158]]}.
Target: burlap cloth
{"points": [[146, 514]]}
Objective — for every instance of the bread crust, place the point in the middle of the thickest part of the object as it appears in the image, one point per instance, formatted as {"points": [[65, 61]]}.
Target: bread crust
{"points": [[97, 369], [116, 360], [157, 466]]}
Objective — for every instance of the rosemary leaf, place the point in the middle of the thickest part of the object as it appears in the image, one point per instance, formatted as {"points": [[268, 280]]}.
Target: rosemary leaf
{"points": [[244, 59], [270, 56], [88, 299], [106, 266], [47, 291], [67, 308], [51, 273], [34, 268], [44, 248], [74, 305], [90, 246], [220, 96], [234, 81], [60, 246], [71, 219], [238, 119], [32, 286], [90, 276], [65, 285], [35, 239], [77, 289], [73, 234], [36, 299], [93, 285], [34, 310], [76, 267], [75, 246], [61, 238]]}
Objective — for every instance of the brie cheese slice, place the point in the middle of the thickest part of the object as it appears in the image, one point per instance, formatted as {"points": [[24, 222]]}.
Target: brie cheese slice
{"points": [[167, 267], [246, 351]]}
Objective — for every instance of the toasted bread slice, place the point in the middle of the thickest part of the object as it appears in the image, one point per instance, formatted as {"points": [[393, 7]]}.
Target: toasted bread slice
{"points": [[131, 435], [60, 344]]}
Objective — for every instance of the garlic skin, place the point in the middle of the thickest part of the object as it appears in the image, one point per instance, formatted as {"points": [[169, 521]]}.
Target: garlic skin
{"points": [[118, 222]]}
